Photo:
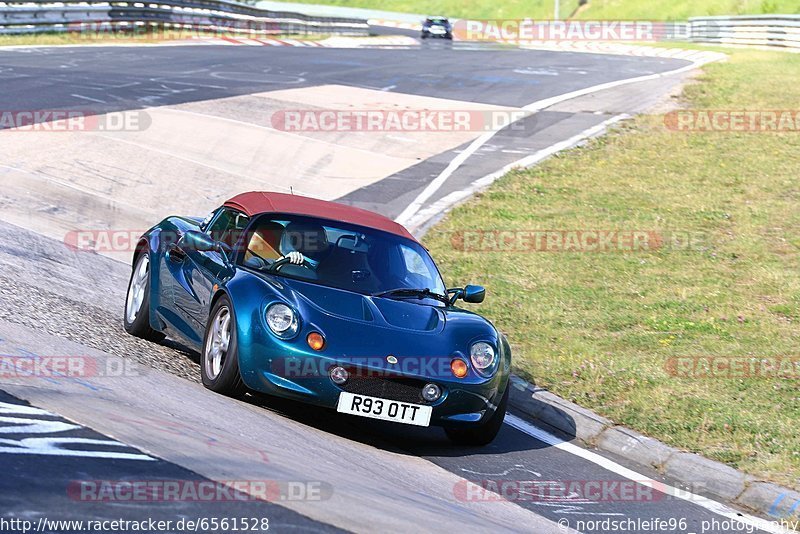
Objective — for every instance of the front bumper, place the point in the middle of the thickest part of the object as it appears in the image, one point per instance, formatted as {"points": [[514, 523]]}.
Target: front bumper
{"points": [[304, 377], [429, 34]]}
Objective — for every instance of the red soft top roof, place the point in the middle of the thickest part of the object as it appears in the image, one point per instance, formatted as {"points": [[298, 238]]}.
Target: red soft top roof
{"points": [[257, 202]]}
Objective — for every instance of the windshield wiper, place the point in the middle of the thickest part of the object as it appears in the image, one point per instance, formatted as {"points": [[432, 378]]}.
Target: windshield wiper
{"points": [[413, 292]]}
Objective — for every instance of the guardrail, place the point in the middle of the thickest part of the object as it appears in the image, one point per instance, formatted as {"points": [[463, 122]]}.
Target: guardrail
{"points": [[219, 16], [754, 30]]}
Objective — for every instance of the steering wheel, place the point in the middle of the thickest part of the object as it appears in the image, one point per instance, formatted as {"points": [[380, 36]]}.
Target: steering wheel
{"points": [[277, 264]]}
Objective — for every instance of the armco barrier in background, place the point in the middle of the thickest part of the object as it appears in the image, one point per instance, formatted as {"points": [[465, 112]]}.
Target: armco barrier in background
{"points": [[751, 30], [214, 16]]}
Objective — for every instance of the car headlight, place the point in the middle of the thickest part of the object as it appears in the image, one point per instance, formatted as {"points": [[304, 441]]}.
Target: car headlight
{"points": [[482, 355], [282, 320]]}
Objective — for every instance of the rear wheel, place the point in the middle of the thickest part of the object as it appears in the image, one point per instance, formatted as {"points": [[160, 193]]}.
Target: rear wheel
{"points": [[485, 432], [137, 303], [220, 363]]}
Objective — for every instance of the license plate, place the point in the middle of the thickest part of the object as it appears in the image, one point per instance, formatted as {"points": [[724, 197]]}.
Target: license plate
{"points": [[387, 410]]}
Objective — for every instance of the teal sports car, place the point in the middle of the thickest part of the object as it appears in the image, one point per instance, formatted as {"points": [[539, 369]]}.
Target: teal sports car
{"points": [[325, 304]]}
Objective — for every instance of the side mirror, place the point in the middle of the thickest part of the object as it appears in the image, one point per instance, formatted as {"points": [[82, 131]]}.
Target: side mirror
{"points": [[474, 294], [194, 240]]}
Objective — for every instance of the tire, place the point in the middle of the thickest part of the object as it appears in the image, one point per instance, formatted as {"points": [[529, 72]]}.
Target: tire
{"points": [[136, 318], [485, 432], [219, 363]]}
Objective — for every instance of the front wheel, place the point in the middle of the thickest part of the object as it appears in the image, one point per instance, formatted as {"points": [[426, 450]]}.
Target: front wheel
{"points": [[137, 303], [219, 367], [485, 432]]}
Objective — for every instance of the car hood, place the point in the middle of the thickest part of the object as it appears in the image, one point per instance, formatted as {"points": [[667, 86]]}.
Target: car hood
{"points": [[383, 324], [404, 314], [361, 329]]}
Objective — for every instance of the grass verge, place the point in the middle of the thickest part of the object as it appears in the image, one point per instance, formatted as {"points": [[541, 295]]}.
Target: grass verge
{"points": [[683, 9], [475, 9], [604, 328], [596, 10]]}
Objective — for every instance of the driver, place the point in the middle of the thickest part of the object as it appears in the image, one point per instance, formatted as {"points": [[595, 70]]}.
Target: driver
{"points": [[265, 244], [303, 241]]}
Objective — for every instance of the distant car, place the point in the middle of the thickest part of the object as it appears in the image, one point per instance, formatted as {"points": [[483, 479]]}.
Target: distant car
{"points": [[437, 27], [322, 303]]}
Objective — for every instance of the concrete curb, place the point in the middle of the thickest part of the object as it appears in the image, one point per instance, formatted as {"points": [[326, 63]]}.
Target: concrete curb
{"points": [[693, 470]]}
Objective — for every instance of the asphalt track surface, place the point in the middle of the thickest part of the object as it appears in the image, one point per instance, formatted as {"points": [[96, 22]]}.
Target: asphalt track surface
{"points": [[23, 492], [56, 300], [114, 79], [36, 78]]}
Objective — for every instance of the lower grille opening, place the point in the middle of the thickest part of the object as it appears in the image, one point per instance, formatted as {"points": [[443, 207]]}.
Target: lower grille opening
{"points": [[396, 389]]}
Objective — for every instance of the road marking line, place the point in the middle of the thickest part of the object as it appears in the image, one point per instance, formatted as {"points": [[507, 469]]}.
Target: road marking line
{"points": [[58, 447], [24, 425], [191, 84], [609, 465], [90, 99], [51, 445], [424, 215], [533, 107]]}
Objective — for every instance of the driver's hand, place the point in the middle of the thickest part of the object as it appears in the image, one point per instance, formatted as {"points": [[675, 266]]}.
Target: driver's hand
{"points": [[294, 257]]}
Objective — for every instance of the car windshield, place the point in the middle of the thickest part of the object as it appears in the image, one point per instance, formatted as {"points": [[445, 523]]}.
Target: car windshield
{"points": [[343, 256]]}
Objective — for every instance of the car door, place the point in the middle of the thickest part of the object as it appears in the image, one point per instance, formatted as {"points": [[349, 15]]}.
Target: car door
{"points": [[199, 270]]}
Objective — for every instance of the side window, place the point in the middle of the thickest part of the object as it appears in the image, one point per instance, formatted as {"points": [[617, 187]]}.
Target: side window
{"points": [[414, 262], [228, 226], [207, 220]]}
